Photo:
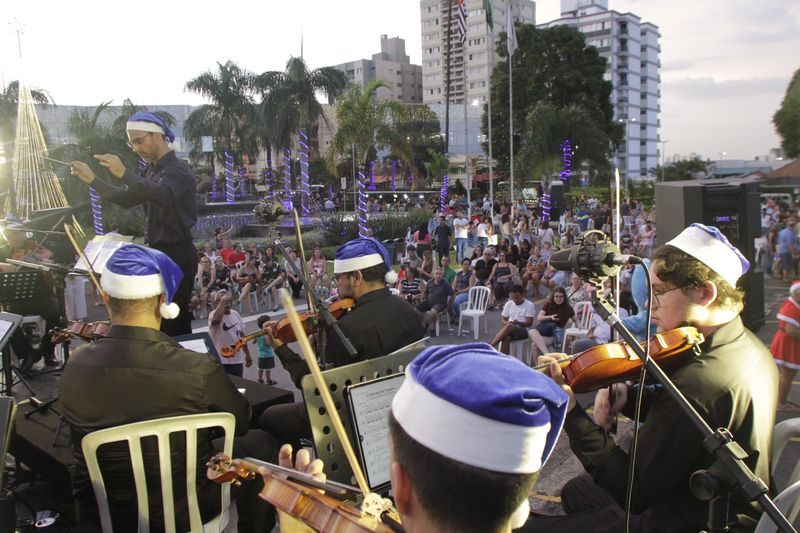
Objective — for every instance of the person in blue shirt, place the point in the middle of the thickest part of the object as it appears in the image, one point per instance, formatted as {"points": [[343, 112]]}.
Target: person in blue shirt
{"points": [[787, 248], [266, 357]]}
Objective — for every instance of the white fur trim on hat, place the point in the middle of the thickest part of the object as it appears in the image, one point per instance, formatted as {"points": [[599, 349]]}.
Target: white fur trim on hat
{"points": [[144, 126], [795, 286], [464, 436], [710, 251], [169, 310], [340, 266], [131, 287]]}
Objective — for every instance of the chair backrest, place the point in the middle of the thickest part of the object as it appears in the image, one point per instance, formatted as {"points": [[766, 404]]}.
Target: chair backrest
{"points": [[583, 314], [478, 298], [161, 429], [783, 433], [788, 503]]}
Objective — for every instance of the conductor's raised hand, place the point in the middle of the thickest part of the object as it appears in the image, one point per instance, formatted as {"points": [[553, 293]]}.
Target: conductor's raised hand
{"points": [[82, 170], [554, 371], [113, 163]]}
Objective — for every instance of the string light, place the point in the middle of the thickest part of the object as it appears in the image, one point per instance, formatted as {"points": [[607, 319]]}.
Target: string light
{"points": [[443, 194], [566, 160], [230, 191], [394, 172], [362, 207], [545, 207], [305, 189], [97, 211], [287, 180], [35, 184]]}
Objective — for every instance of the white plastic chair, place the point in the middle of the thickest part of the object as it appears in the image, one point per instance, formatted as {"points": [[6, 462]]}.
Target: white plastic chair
{"points": [[521, 350], [444, 315], [583, 318], [788, 503], [783, 433], [161, 429], [475, 309]]}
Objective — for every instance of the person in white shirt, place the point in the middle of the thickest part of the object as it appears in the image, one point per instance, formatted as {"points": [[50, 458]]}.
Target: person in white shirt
{"points": [[461, 229], [516, 317], [226, 327]]}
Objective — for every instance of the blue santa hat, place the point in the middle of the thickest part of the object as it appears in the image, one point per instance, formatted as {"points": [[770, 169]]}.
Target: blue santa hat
{"points": [[479, 407], [134, 272], [147, 121], [362, 253], [708, 245]]}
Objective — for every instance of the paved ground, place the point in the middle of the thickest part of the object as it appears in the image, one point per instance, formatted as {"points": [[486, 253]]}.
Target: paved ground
{"points": [[562, 465]]}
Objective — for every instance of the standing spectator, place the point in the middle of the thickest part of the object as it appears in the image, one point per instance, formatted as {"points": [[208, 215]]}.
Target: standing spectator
{"points": [[226, 327], [461, 227], [516, 317], [266, 356], [442, 233], [219, 236], [785, 347], [647, 235], [787, 248], [422, 239]]}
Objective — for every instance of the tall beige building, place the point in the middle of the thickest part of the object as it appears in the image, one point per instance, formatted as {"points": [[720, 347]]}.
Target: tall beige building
{"points": [[392, 66], [480, 56]]}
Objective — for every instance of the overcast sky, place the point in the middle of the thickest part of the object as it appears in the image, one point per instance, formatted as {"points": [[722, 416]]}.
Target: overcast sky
{"points": [[725, 64]]}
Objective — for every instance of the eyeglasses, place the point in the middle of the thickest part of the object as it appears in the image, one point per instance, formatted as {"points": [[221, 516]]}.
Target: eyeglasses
{"points": [[138, 140], [665, 291]]}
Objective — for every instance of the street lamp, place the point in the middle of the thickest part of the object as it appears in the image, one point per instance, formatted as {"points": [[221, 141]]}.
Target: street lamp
{"points": [[663, 158]]}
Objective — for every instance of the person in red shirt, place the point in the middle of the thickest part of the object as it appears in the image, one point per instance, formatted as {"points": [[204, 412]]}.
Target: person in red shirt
{"points": [[234, 255]]}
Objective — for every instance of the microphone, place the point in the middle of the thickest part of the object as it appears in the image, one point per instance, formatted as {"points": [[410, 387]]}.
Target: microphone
{"points": [[593, 257]]}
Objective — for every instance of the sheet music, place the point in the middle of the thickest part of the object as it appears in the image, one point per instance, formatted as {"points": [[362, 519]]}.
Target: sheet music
{"points": [[195, 345], [370, 404], [98, 252], [5, 325]]}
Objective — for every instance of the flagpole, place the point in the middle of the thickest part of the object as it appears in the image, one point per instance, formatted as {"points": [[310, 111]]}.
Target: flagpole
{"points": [[447, 81], [510, 108], [466, 133], [489, 58]]}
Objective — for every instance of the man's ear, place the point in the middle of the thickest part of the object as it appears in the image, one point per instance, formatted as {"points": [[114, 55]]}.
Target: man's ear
{"points": [[401, 488], [707, 294]]}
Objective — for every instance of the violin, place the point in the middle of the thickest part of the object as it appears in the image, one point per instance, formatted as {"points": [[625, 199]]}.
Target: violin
{"points": [[88, 331], [605, 364], [309, 509], [283, 329]]}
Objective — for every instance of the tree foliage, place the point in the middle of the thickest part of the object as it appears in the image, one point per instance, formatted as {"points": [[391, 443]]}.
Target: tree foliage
{"points": [[787, 118], [556, 68], [682, 170]]}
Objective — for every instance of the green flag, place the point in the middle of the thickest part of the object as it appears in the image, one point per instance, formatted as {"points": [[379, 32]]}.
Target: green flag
{"points": [[487, 6]]}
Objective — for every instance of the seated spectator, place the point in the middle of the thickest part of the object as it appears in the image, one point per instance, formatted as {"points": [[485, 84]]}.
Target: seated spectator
{"points": [[412, 288], [247, 277], [462, 282], [318, 269], [477, 253], [483, 269], [232, 256], [502, 277], [221, 276], [448, 272], [412, 257], [271, 276], [577, 292], [552, 278], [426, 269], [204, 282], [534, 270], [555, 316], [516, 318], [437, 297], [294, 279]]}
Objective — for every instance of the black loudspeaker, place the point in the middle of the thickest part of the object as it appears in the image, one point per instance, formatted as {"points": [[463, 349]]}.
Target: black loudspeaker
{"points": [[733, 206], [557, 199]]}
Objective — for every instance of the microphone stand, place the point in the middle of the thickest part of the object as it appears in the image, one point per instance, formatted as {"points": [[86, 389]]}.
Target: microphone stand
{"points": [[728, 470], [324, 316]]}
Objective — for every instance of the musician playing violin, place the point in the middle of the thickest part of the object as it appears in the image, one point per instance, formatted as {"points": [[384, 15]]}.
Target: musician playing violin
{"points": [[20, 248], [378, 325], [732, 384]]}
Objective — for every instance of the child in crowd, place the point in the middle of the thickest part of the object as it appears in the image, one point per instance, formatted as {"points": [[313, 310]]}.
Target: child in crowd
{"points": [[266, 357]]}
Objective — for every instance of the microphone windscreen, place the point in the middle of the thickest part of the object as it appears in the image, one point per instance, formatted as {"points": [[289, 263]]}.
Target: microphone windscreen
{"points": [[561, 259]]}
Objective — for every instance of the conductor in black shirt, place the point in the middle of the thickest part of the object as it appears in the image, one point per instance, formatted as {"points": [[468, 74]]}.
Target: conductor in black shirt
{"points": [[167, 188]]}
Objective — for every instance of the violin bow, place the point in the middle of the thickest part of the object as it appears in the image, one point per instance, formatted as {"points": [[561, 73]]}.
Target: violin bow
{"points": [[373, 504], [79, 250], [302, 254]]}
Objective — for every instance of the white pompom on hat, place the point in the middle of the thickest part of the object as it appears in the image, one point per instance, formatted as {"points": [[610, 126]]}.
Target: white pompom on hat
{"points": [[135, 272]]}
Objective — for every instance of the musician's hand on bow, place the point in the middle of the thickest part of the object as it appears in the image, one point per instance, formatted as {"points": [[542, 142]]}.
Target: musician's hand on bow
{"points": [[554, 371], [82, 170], [113, 163], [606, 407]]}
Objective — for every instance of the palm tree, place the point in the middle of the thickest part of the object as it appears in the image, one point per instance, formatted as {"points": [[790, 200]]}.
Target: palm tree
{"points": [[367, 125], [229, 118]]}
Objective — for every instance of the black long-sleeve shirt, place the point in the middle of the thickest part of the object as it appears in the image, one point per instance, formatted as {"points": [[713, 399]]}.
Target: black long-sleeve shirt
{"points": [[168, 191], [733, 384]]}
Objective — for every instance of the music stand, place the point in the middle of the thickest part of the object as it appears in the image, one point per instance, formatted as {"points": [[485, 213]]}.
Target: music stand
{"points": [[9, 322], [16, 287]]}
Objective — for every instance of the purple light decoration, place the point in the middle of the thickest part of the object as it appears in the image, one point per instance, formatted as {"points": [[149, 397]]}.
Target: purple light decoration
{"points": [[230, 190], [305, 189], [97, 211], [545, 207], [214, 184], [362, 207], [287, 180], [566, 160], [443, 194], [394, 172], [372, 175]]}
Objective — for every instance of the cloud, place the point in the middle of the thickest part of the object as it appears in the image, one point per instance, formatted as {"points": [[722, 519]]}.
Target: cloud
{"points": [[708, 88], [678, 64]]}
